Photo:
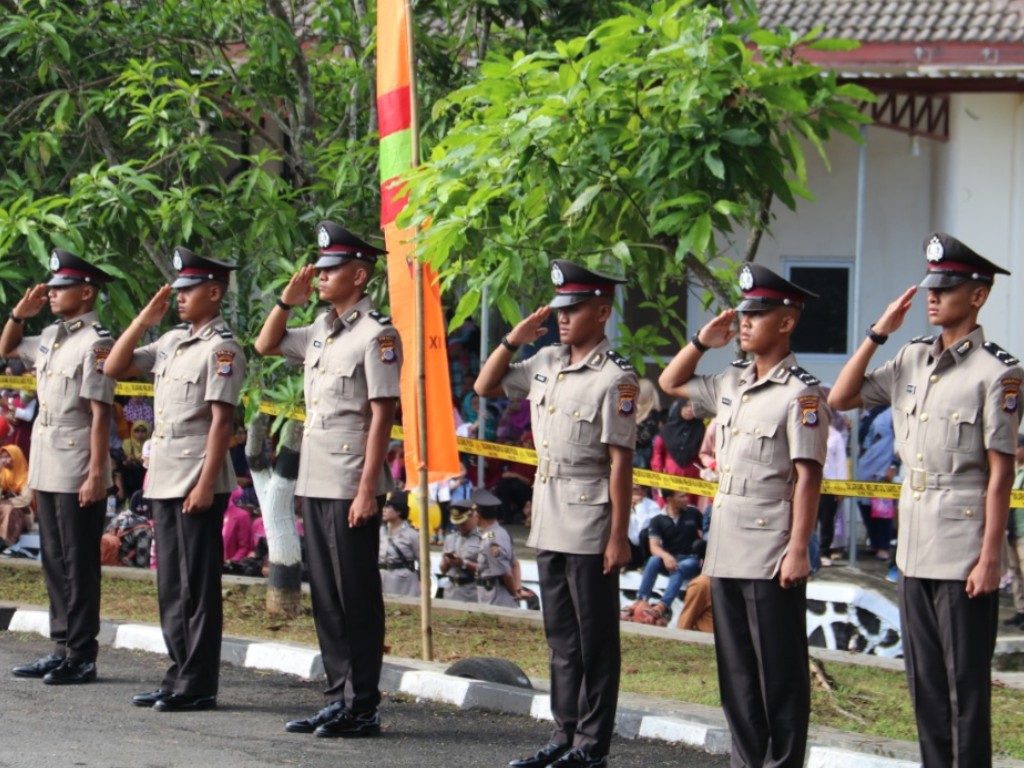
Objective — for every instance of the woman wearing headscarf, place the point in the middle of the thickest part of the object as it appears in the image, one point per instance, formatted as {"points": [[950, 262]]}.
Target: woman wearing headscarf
{"points": [[15, 495], [133, 469], [676, 448]]}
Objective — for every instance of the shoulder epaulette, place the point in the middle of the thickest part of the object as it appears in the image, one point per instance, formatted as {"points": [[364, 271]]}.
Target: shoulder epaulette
{"points": [[619, 360], [923, 340], [181, 327], [225, 333], [807, 378], [102, 332], [382, 319], [741, 363], [1000, 354]]}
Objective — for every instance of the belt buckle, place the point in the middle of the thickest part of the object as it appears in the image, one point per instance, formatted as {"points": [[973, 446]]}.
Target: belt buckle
{"points": [[918, 478]]}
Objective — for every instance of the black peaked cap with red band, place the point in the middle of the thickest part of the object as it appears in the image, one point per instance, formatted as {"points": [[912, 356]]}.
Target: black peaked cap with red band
{"points": [[951, 263], [575, 284], [68, 269], [194, 269], [763, 290], [338, 246]]}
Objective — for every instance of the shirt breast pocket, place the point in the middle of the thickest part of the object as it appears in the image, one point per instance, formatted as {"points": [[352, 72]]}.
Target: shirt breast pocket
{"points": [[188, 387], [582, 424], [759, 441], [902, 413], [962, 430], [345, 381], [70, 381]]}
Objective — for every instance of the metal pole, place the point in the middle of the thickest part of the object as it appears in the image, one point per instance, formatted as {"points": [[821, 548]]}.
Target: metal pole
{"points": [[853, 508]]}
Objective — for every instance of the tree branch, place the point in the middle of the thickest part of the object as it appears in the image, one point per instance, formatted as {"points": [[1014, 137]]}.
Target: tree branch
{"points": [[304, 110], [760, 225]]}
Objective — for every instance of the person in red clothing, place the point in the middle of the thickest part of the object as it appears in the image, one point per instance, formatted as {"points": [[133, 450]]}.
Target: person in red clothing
{"points": [[676, 448], [237, 530]]}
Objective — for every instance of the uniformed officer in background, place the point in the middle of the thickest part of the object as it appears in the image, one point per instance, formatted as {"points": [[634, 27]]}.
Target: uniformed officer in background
{"points": [[583, 397], [399, 548], [459, 554], [771, 446], [956, 408], [70, 466], [198, 369], [351, 355], [495, 575]]}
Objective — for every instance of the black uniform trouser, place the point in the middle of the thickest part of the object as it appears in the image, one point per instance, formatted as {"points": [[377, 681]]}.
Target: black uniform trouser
{"points": [[948, 642], [761, 647], [348, 604], [70, 537], [190, 551], [581, 608]]}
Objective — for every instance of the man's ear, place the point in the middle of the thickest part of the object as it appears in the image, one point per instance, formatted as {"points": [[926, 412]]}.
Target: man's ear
{"points": [[216, 290]]}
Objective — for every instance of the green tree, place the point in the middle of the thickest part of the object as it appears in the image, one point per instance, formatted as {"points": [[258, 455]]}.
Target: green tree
{"points": [[639, 147]]}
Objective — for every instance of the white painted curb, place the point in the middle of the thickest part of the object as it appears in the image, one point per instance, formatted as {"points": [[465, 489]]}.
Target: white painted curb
{"points": [[436, 687], [830, 757], [302, 662], [30, 621], [137, 637]]}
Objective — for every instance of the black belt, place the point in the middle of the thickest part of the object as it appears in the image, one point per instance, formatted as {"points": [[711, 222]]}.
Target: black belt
{"points": [[461, 581], [487, 583], [395, 567]]}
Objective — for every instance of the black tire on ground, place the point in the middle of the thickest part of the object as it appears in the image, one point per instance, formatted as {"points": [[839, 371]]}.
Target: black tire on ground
{"points": [[490, 670]]}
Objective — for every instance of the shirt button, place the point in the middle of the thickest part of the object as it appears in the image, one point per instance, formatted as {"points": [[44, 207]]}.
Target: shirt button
{"points": [[745, 398], [344, 447], [545, 443], [583, 497], [917, 496], [71, 442], [920, 457], [561, 376], [551, 409], [735, 431], [933, 378], [969, 513], [187, 451], [177, 353], [576, 414], [757, 431], [761, 522], [56, 345], [956, 416], [330, 341], [727, 468], [316, 400], [924, 417]]}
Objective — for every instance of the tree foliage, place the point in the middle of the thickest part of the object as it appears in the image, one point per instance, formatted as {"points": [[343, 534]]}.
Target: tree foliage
{"points": [[639, 147]]}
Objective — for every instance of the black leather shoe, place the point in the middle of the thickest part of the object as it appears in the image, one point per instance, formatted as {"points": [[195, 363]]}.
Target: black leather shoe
{"points": [[72, 672], [149, 699], [578, 757], [310, 724], [543, 757], [39, 668], [349, 725], [182, 702]]}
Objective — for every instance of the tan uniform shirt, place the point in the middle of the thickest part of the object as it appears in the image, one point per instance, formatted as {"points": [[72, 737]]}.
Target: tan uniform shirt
{"points": [[68, 360], [763, 426], [949, 406], [190, 371], [463, 580], [577, 412], [494, 560], [348, 362], [397, 557]]}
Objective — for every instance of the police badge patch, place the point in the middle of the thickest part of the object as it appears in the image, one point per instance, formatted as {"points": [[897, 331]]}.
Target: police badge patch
{"points": [[809, 411], [323, 237], [627, 399], [556, 275], [178, 263], [746, 279], [1011, 394], [101, 354], [386, 342], [934, 252], [225, 362]]}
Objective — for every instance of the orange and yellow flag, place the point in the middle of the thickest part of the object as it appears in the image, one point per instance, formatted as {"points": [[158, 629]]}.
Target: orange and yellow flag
{"points": [[395, 110]]}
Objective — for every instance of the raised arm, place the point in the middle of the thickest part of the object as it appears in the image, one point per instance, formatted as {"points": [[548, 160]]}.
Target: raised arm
{"points": [[529, 329], [298, 291], [31, 304], [677, 373], [119, 364]]}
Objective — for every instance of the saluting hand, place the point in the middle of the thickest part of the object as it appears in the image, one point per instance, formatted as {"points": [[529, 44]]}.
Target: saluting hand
{"points": [[720, 331], [894, 314], [32, 302], [529, 328], [300, 287], [154, 312]]}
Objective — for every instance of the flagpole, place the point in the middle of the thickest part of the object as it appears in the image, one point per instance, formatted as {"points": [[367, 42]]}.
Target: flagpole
{"points": [[426, 628]]}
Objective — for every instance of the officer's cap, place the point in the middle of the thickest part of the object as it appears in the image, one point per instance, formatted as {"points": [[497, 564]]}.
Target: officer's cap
{"points": [[763, 290], [461, 509], [68, 269], [399, 501], [951, 263], [575, 284], [194, 269], [485, 503], [338, 246]]}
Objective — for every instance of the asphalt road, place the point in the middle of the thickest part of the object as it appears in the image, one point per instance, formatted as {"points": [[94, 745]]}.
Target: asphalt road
{"points": [[96, 726]]}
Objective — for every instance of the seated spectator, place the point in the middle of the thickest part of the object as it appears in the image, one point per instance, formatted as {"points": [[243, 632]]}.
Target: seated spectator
{"points": [[515, 486], [672, 538], [15, 496], [676, 447], [237, 530], [644, 510], [399, 548], [514, 421], [648, 424], [460, 487], [696, 613], [139, 408], [132, 468]]}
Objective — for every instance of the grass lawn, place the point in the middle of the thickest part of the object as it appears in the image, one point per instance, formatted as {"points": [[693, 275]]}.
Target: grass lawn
{"points": [[861, 699]]}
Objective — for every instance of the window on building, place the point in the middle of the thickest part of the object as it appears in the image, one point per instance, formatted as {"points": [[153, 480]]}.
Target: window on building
{"points": [[824, 326]]}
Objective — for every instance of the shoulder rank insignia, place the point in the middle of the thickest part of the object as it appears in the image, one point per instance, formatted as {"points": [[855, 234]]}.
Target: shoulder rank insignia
{"points": [[382, 319], [741, 363], [619, 360], [923, 340], [487, 535], [1000, 354], [809, 379], [75, 325], [181, 327], [225, 362], [102, 332], [225, 333], [386, 342], [1011, 394], [101, 354]]}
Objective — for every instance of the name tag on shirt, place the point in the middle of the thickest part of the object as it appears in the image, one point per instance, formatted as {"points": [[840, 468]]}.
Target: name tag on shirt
{"points": [[43, 349], [540, 377], [162, 354], [911, 388], [726, 401], [317, 344]]}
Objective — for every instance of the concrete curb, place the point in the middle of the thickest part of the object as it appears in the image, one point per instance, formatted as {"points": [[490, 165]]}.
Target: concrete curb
{"points": [[637, 717]]}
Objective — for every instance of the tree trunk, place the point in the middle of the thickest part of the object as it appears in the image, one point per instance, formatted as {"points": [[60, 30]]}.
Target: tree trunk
{"points": [[275, 488]]}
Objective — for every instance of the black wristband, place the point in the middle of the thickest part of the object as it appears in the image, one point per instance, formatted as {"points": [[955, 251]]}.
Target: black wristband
{"points": [[508, 344], [695, 340], [285, 307], [18, 320], [878, 338]]}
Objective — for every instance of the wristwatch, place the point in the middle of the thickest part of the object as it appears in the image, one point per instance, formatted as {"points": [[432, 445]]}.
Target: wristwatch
{"points": [[878, 338], [695, 340]]}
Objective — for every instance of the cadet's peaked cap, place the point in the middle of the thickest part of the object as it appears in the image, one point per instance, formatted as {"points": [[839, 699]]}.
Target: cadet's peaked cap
{"points": [[68, 269], [950, 263], [461, 509], [194, 269], [763, 290], [338, 246], [485, 503], [399, 500], [575, 284]]}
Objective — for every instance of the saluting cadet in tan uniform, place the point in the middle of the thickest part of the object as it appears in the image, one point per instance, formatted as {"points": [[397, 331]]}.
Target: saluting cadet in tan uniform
{"points": [[771, 443], [582, 397], [495, 560], [70, 463], [955, 409], [459, 554], [399, 548], [351, 356], [198, 369]]}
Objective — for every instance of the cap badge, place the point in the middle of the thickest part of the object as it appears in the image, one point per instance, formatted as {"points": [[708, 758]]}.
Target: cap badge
{"points": [[556, 275], [746, 279], [935, 251], [54, 262], [178, 263], [323, 237]]}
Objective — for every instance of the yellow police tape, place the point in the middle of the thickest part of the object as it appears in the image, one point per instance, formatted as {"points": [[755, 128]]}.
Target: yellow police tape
{"points": [[487, 449]]}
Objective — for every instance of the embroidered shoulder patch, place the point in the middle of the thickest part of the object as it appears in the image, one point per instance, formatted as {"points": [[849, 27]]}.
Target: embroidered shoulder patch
{"points": [[809, 379], [388, 353], [225, 362], [101, 354], [382, 319], [495, 549], [627, 399], [740, 363], [809, 410], [923, 340], [619, 360], [102, 332], [1000, 354], [1011, 394]]}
